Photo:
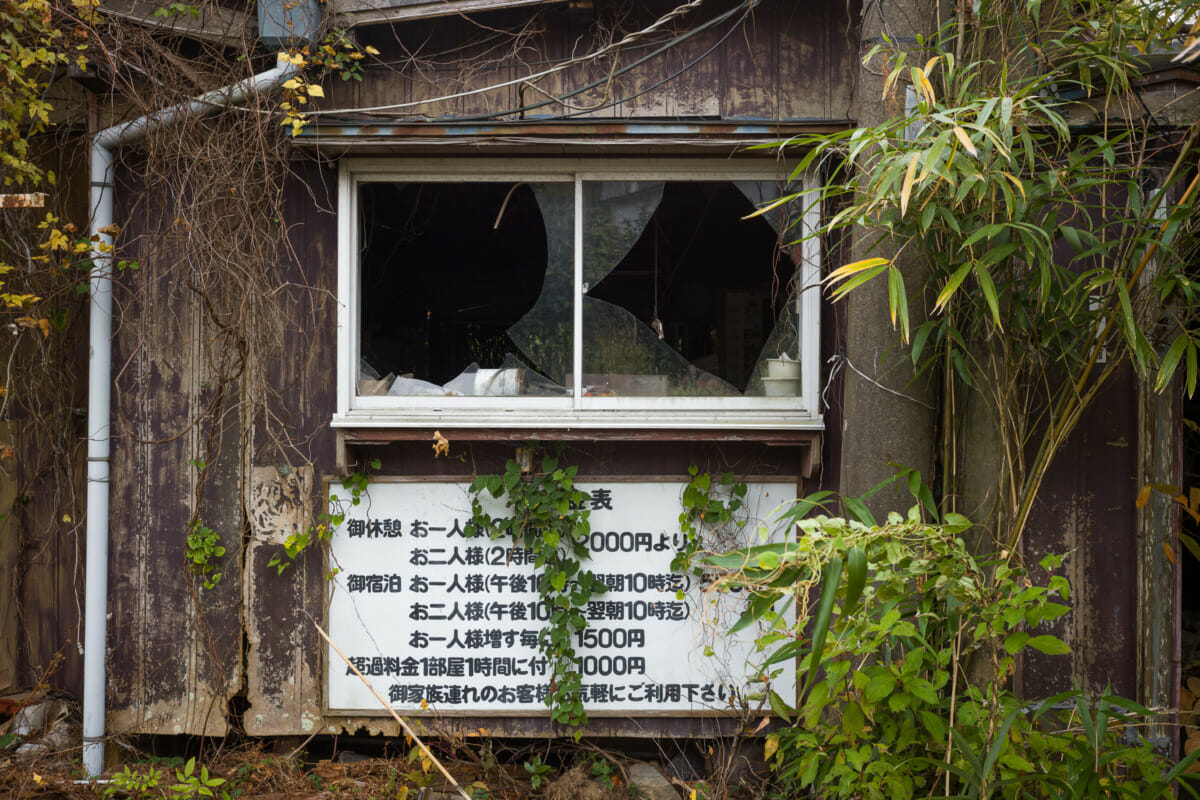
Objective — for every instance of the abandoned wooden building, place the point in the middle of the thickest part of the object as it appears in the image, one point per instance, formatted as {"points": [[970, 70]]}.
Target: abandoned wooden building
{"points": [[529, 224]]}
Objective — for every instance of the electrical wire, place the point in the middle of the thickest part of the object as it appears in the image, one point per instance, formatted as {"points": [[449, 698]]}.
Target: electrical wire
{"points": [[745, 9], [678, 72], [629, 39]]}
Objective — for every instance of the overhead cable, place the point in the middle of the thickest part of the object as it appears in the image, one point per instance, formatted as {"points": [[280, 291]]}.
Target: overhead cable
{"points": [[611, 47]]}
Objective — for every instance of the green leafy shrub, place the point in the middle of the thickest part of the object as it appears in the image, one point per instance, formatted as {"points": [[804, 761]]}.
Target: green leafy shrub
{"points": [[902, 666]]}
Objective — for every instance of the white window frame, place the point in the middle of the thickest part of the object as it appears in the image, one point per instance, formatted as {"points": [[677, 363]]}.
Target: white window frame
{"points": [[577, 411]]}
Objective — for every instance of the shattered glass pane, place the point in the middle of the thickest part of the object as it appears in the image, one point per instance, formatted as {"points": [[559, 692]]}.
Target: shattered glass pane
{"points": [[446, 271], [544, 334], [684, 297]]}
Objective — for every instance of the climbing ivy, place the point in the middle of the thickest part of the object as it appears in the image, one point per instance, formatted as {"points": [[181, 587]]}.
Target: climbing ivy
{"points": [[203, 548], [334, 515], [707, 505], [548, 516]]}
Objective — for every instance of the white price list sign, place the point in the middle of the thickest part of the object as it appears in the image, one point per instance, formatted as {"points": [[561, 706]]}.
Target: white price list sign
{"points": [[434, 618]]}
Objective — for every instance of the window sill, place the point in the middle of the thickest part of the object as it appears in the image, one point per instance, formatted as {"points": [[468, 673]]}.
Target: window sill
{"points": [[599, 421]]}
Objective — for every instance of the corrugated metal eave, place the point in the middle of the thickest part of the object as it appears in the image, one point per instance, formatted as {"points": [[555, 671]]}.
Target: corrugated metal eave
{"points": [[361, 137]]}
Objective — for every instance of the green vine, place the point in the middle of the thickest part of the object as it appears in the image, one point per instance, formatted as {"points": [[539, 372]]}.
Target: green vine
{"points": [[548, 516], [203, 548], [707, 505], [333, 515]]}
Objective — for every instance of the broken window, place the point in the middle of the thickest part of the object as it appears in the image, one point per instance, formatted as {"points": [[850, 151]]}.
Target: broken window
{"points": [[582, 290], [447, 270]]}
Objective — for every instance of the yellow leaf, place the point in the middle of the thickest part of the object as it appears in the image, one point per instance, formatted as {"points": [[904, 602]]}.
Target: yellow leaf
{"points": [[1143, 497], [923, 85], [771, 206], [929, 93], [315, 90], [293, 83], [38, 779], [841, 273], [1170, 553], [770, 746], [1015, 182], [296, 59], [965, 140], [909, 177], [66, 517], [371, 50]]}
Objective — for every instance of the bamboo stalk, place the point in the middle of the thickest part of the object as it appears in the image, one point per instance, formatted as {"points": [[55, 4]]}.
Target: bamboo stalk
{"points": [[404, 725], [1071, 406]]}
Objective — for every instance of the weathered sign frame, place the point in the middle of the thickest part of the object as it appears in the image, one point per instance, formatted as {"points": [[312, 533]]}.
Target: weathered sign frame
{"points": [[527, 722]]}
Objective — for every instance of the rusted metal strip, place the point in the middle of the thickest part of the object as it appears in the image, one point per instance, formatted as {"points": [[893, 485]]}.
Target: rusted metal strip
{"points": [[29, 200]]}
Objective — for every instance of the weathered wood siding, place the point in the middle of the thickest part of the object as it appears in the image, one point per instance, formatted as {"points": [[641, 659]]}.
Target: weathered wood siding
{"points": [[42, 485], [1087, 510], [783, 61], [175, 648], [283, 655], [180, 653]]}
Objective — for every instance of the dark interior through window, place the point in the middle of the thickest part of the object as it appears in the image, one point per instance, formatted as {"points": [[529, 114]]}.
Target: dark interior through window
{"points": [[444, 287], [715, 282], [440, 286]]}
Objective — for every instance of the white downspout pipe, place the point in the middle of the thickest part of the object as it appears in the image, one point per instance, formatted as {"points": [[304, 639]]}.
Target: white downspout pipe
{"points": [[100, 382]]}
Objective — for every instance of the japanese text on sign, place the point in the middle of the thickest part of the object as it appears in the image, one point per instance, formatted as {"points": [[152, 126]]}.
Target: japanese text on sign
{"points": [[434, 618]]}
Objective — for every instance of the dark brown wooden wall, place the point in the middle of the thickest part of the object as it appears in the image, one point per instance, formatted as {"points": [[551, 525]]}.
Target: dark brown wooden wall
{"points": [[1087, 510], [178, 653], [787, 61]]}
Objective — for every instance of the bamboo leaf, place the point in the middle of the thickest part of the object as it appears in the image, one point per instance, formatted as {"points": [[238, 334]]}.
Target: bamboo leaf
{"points": [[856, 281], [1191, 371], [856, 578], [909, 177], [965, 140], [989, 293], [858, 509], [898, 301], [830, 578], [919, 340], [771, 206], [1191, 544], [843, 272], [1170, 361], [1015, 182], [920, 82]]}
